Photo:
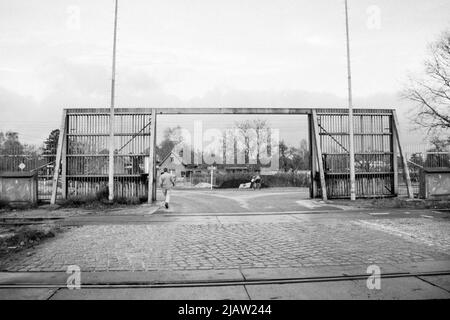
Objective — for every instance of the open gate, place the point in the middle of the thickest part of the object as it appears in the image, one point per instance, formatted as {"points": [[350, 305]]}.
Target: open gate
{"points": [[83, 150], [81, 166], [376, 145]]}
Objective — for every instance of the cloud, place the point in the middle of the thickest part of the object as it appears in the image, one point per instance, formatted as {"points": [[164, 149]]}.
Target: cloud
{"points": [[78, 85], [316, 40]]}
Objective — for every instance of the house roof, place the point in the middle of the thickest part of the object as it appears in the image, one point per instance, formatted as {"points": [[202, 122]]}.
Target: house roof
{"points": [[175, 155]]}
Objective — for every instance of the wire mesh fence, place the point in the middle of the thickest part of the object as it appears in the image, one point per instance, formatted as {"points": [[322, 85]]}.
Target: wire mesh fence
{"points": [[14, 160], [417, 161]]}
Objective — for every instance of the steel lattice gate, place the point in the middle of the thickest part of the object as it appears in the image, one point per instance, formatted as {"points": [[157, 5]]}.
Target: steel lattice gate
{"points": [[375, 145], [84, 169], [81, 166]]}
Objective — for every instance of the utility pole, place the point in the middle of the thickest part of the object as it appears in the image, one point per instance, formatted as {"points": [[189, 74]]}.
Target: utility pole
{"points": [[350, 113], [111, 115]]}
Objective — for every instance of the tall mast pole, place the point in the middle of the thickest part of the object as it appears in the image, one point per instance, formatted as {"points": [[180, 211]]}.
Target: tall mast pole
{"points": [[350, 113], [111, 115]]}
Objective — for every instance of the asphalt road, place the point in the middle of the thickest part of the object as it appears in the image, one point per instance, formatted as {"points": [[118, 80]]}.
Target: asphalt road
{"points": [[191, 201]]}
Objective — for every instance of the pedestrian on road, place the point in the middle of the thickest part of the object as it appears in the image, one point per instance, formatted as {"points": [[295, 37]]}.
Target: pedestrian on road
{"points": [[256, 182], [166, 182]]}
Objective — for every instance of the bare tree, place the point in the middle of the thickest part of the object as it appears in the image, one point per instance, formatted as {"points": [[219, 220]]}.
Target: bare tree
{"points": [[244, 128], [262, 130], [431, 92]]}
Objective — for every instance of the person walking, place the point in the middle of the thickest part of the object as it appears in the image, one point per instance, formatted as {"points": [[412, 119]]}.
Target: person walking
{"points": [[256, 182], [166, 182]]}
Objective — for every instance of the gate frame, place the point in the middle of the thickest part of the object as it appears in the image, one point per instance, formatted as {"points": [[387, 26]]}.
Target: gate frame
{"points": [[313, 133]]}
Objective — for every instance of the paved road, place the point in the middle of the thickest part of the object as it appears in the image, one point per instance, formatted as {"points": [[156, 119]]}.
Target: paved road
{"points": [[251, 241], [262, 233], [242, 201]]}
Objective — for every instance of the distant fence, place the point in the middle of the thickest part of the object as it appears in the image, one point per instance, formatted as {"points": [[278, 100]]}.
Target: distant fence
{"points": [[416, 162], [42, 164], [233, 180]]}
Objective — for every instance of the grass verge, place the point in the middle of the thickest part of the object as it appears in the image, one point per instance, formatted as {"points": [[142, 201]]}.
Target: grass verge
{"points": [[17, 238], [395, 203]]}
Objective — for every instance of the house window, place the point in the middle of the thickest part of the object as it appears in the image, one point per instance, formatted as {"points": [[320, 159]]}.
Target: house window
{"points": [[183, 174]]}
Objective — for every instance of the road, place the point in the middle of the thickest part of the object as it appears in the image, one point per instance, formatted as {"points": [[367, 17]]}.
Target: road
{"points": [[188, 201]]}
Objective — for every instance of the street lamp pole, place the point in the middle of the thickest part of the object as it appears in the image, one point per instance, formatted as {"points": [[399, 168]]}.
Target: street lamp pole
{"points": [[350, 113], [111, 115]]}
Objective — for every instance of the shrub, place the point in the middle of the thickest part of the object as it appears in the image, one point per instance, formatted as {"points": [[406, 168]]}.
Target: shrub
{"points": [[282, 179], [232, 180], [130, 201], [198, 177], [102, 194], [4, 204], [98, 201], [287, 179], [79, 201]]}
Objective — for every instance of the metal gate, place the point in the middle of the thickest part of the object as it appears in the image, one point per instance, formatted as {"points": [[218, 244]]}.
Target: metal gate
{"points": [[85, 150], [81, 166], [376, 145]]}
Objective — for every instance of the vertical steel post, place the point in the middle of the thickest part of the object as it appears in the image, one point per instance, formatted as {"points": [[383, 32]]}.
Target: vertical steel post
{"points": [[111, 115], [62, 136], [403, 156], [312, 159], [212, 177], [318, 153], [350, 113], [64, 161], [152, 160]]}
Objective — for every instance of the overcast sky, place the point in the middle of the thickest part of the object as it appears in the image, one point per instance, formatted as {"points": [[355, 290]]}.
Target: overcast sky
{"points": [[206, 53]]}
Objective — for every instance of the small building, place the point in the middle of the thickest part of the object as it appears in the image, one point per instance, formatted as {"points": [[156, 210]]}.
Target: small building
{"points": [[175, 165]]}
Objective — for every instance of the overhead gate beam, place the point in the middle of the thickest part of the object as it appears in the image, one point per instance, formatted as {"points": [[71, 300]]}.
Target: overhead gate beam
{"points": [[84, 134]]}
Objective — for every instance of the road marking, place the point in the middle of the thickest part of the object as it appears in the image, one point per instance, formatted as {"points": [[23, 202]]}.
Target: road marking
{"points": [[407, 212], [308, 204], [425, 216], [378, 213]]}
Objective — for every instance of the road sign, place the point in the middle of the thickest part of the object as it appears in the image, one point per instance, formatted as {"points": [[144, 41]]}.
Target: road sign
{"points": [[212, 168], [22, 166]]}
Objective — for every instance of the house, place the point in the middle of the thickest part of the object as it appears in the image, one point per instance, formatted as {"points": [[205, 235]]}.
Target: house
{"points": [[175, 165]]}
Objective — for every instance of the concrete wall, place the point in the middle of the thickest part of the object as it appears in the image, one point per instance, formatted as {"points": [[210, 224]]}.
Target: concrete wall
{"points": [[18, 187], [435, 184]]}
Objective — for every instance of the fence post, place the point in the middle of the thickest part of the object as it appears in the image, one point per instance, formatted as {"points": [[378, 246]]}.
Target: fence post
{"points": [[62, 136], [152, 160], [64, 163], [319, 155], [394, 149], [312, 158], [402, 155]]}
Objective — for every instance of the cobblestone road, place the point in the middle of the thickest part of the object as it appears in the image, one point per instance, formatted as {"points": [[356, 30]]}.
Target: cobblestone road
{"points": [[232, 245]]}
